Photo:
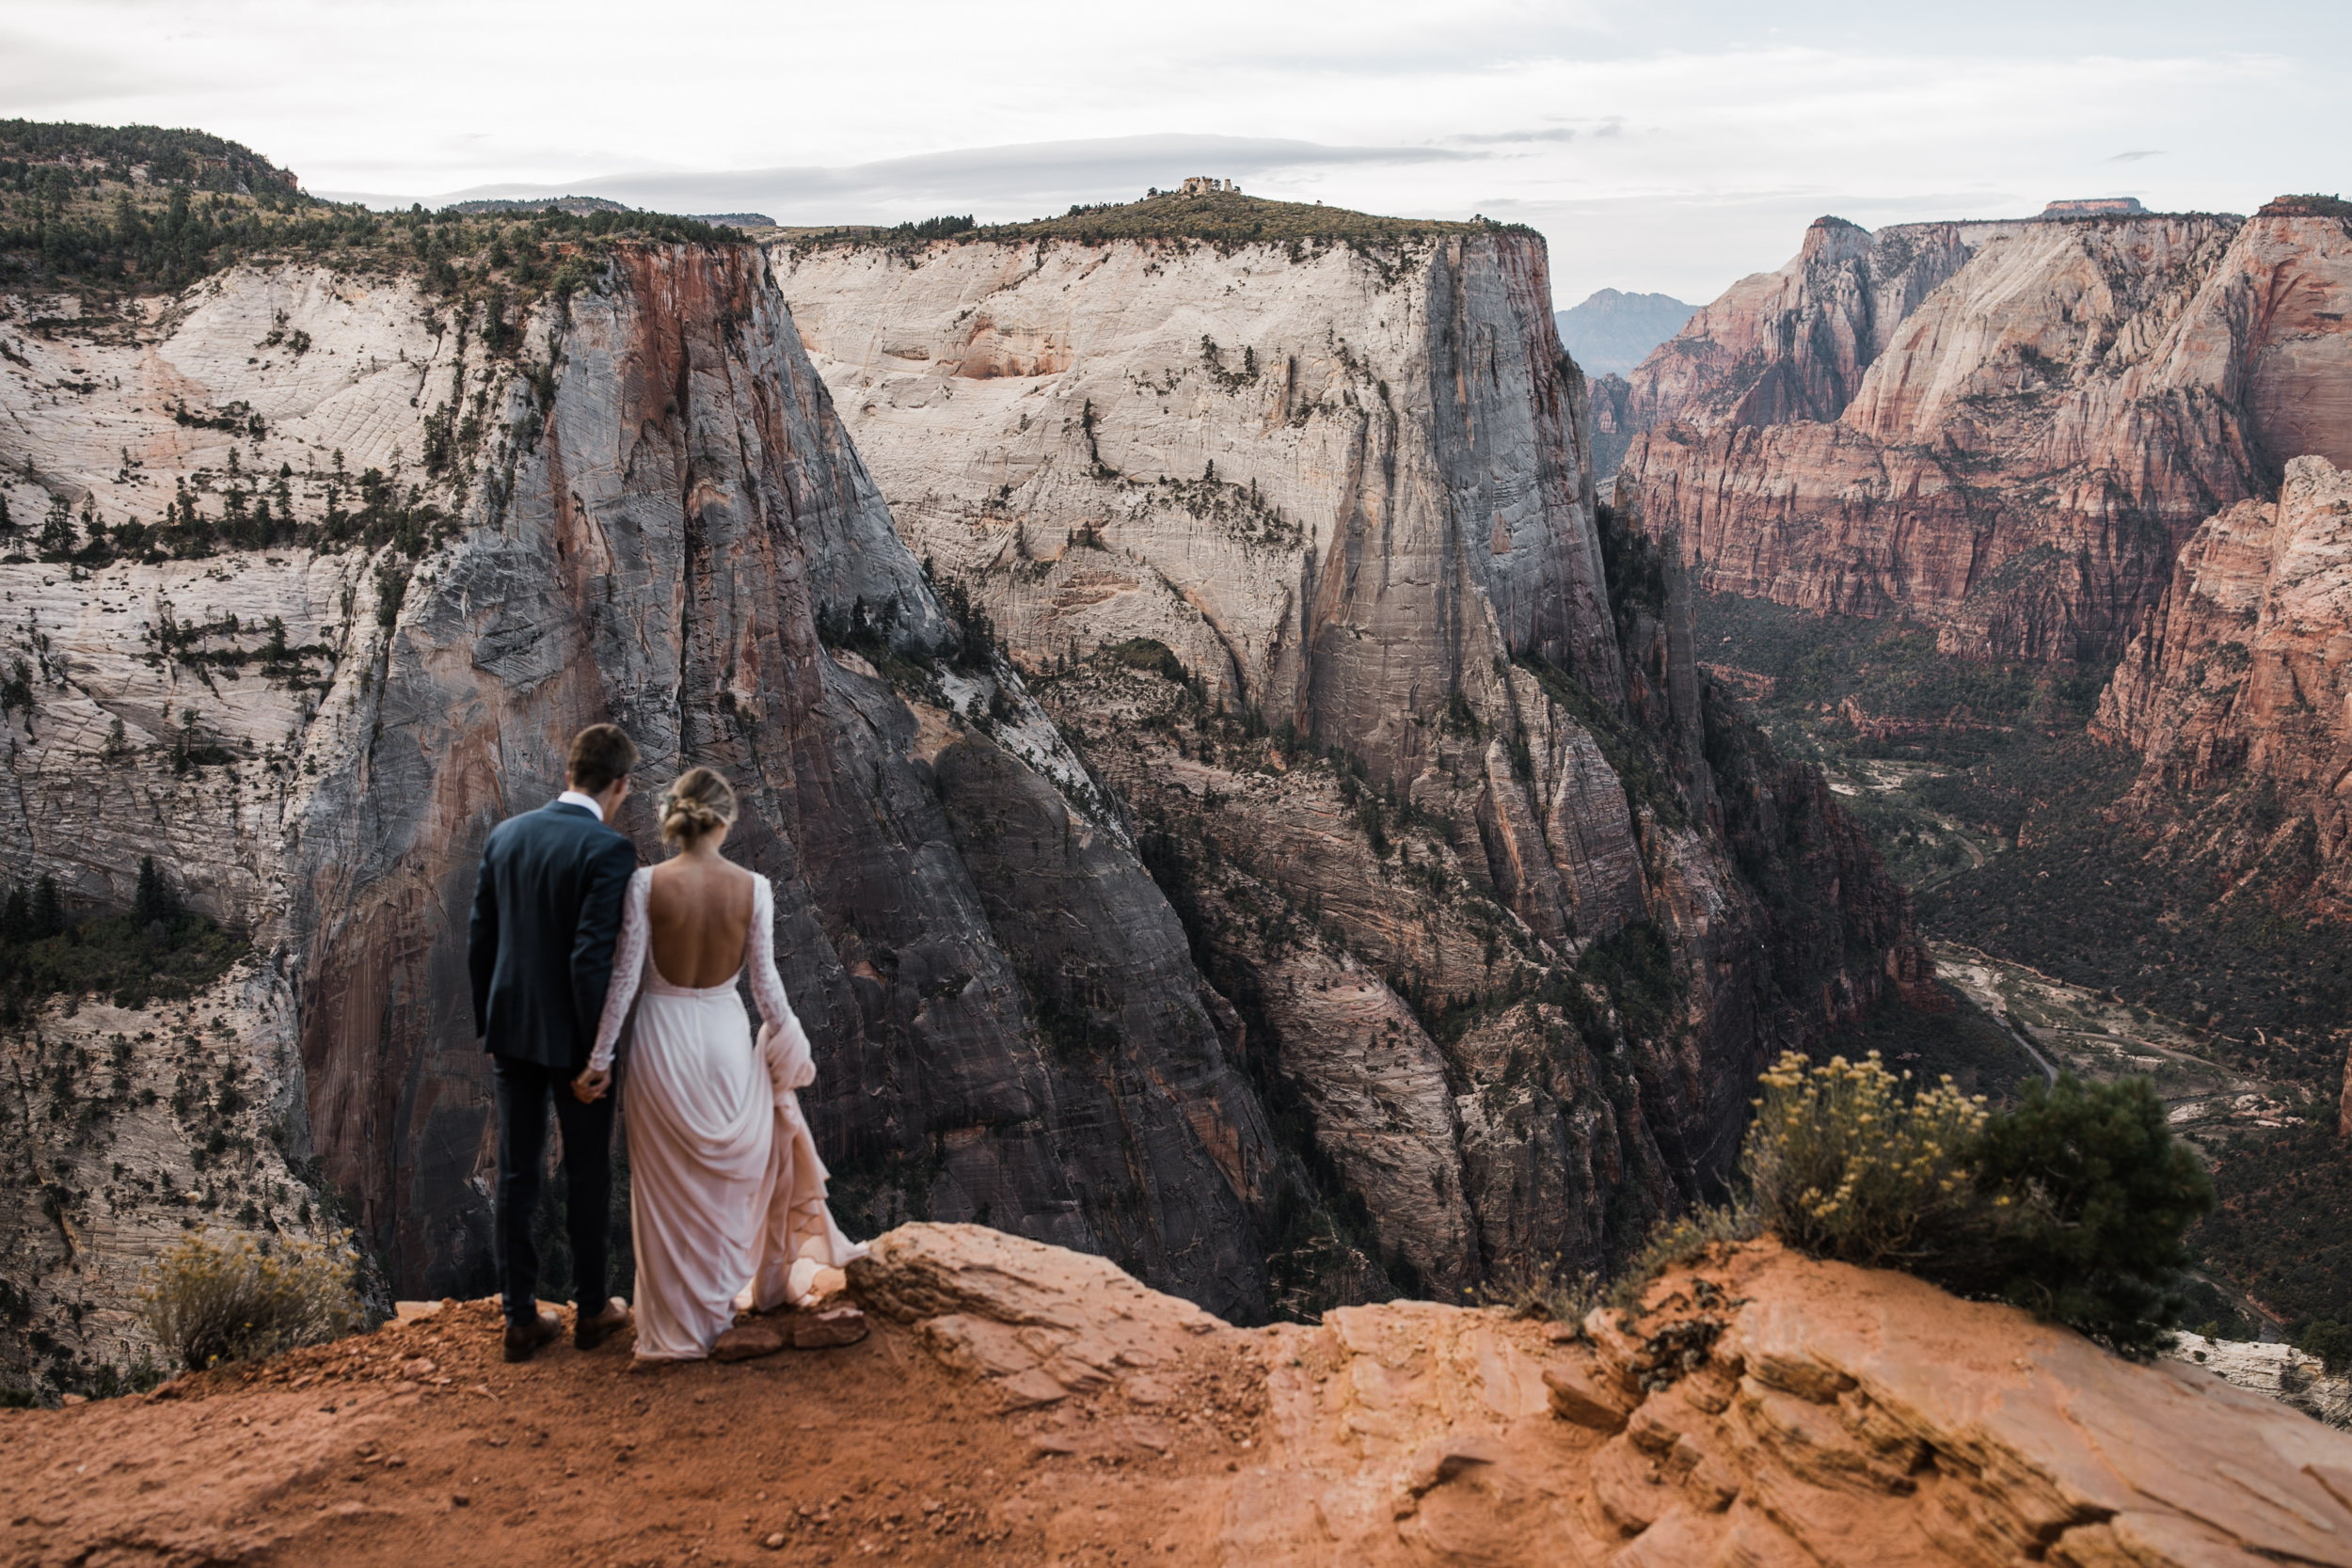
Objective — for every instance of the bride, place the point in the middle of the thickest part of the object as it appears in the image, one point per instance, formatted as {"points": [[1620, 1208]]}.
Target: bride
{"points": [[726, 1194]]}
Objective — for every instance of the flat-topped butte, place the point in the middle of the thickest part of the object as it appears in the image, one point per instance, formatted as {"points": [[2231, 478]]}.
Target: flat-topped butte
{"points": [[1220, 218]]}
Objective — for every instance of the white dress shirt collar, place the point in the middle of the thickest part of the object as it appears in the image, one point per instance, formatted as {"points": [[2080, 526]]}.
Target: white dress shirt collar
{"points": [[574, 797]]}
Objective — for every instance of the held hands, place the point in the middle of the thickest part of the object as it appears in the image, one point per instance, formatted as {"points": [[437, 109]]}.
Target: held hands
{"points": [[589, 1086]]}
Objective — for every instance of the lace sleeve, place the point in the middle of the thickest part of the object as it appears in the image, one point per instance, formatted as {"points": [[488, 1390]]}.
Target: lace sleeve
{"points": [[759, 958], [628, 968]]}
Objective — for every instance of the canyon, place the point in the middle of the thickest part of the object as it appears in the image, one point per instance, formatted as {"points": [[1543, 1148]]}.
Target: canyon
{"points": [[334, 558], [1017, 1402], [1407, 719], [2001, 432]]}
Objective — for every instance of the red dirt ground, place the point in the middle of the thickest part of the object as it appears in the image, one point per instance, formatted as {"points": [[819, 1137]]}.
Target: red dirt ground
{"points": [[354, 1454]]}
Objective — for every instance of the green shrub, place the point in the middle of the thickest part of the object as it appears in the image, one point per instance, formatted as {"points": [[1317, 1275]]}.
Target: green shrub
{"points": [[2088, 1199], [2073, 1206], [210, 1302]]}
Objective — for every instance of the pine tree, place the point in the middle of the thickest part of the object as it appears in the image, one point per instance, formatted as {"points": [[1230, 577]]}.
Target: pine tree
{"points": [[154, 901], [16, 916], [48, 909]]}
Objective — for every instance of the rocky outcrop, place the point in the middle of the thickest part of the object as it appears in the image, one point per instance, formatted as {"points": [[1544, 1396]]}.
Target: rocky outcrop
{"points": [[1020, 1404], [1793, 344], [1756, 1406], [649, 529], [2292, 1377], [2235, 692], [2025, 450], [1299, 544]]}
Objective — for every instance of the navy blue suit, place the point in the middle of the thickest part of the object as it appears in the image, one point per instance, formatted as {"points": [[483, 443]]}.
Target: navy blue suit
{"points": [[547, 913]]}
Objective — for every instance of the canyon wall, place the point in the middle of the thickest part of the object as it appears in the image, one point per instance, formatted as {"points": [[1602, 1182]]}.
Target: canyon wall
{"points": [[2237, 693], [1336, 482], [647, 513], [1484, 913], [1299, 543], [2027, 442]]}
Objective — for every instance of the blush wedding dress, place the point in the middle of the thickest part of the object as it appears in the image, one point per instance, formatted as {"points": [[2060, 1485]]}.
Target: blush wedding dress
{"points": [[726, 1194]]}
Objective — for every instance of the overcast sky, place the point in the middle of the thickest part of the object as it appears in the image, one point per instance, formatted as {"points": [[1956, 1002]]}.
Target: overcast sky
{"points": [[1669, 147]]}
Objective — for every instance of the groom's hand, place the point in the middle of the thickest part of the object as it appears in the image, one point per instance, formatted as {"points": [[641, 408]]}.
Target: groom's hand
{"points": [[589, 1086]]}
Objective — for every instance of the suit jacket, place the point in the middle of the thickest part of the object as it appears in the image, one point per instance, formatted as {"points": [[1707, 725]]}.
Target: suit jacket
{"points": [[547, 911]]}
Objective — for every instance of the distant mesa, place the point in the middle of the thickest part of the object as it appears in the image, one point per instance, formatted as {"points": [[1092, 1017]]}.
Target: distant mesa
{"points": [[1200, 185], [2095, 207], [578, 206], [735, 221]]}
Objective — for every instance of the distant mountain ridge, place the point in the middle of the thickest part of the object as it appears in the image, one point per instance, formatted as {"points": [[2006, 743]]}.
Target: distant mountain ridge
{"points": [[1614, 331]]}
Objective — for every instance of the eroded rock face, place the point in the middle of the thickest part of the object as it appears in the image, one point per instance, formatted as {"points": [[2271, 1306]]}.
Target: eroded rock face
{"points": [[2029, 444], [1417, 749], [1336, 483], [2279, 1371], [2238, 683], [1793, 344], [1756, 1407], [650, 540]]}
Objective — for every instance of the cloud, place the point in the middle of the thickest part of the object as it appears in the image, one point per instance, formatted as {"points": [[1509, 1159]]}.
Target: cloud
{"points": [[2135, 157], [38, 73], [1556, 132], [993, 181]]}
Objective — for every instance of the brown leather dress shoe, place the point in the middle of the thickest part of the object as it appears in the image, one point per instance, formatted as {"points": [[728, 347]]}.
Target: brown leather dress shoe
{"points": [[524, 1339], [588, 1333]]}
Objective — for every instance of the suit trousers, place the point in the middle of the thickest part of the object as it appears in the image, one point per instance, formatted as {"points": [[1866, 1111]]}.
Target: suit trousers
{"points": [[523, 1090]]}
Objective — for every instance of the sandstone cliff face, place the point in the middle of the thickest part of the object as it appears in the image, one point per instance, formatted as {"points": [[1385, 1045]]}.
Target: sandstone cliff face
{"points": [[1793, 344], [2029, 447], [2237, 691], [1336, 483], [1444, 810], [651, 540]]}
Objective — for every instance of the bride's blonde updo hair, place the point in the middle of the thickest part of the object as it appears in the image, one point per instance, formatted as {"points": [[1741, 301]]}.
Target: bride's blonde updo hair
{"points": [[698, 801]]}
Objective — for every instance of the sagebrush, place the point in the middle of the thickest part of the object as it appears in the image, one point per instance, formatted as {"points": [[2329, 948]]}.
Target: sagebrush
{"points": [[212, 1300], [2074, 1205], [1846, 1164]]}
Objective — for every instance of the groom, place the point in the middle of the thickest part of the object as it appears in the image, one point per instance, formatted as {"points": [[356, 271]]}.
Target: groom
{"points": [[547, 911]]}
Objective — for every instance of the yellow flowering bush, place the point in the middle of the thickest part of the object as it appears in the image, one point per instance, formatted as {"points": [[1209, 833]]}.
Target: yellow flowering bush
{"points": [[1845, 1162], [212, 1300]]}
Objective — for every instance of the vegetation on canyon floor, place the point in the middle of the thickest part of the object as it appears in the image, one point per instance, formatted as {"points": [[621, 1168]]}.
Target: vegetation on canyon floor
{"points": [[2013, 830]]}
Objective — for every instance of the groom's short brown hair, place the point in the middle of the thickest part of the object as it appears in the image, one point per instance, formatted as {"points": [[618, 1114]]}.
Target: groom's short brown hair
{"points": [[602, 755]]}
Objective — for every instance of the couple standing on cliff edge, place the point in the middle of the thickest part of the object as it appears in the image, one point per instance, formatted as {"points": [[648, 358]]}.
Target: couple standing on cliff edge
{"points": [[726, 1194]]}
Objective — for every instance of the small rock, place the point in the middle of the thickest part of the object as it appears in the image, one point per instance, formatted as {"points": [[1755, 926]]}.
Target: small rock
{"points": [[839, 1325], [72, 1399], [774, 1542], [1052, 1445], [1584, 1401], [421, 1367], [459, 1499], [745, 1342]]}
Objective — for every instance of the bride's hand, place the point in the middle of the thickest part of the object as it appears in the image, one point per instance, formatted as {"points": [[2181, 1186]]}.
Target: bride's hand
{"points": [[589, 1086]]}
